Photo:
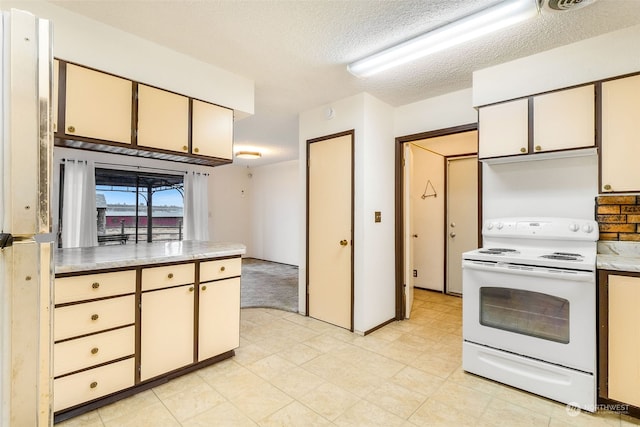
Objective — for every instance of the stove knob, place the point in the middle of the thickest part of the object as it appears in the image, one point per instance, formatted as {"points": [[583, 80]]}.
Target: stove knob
{"points": [[490, 226], [499, 226], [587, 228], [574, 227]]}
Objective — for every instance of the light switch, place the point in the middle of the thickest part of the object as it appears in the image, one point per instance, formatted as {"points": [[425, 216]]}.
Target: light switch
{"points": [[378, 216]]}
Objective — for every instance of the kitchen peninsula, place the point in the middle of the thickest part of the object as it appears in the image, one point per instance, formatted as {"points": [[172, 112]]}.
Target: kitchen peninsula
{"points": [[130, 317]]}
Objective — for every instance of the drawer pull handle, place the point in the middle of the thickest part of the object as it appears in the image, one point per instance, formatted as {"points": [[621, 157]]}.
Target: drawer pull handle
{"points": [[222, 268], [523, 150], [94, 317], [71, 129], [538, 148], [196, 150], [191, 289], [94, 350], [93, 385], [184, 147], [95, 285], [170, 275], [204, 288], [607, 187]]}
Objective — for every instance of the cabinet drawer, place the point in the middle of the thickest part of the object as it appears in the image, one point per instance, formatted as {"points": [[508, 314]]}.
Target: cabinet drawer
{"points": [[167, 276], [91, 286], [90, 317], [88, 385], [81, 353], [220, 269]]}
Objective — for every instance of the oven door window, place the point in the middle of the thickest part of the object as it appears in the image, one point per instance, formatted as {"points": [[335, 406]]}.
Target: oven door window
{"points": [[525, 312]]}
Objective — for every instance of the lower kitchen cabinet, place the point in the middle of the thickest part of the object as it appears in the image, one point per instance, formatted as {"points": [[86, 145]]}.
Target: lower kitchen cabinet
{"points": [[166, 330], [218, 317], [619, 377], [120, 332]]}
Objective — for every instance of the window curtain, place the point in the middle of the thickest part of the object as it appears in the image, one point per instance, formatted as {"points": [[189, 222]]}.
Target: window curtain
{"points": [[196, 206], [79, 214]]}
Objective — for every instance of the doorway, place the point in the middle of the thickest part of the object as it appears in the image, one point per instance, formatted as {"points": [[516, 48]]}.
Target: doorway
{"points": [[422, 230], [330, 229]]}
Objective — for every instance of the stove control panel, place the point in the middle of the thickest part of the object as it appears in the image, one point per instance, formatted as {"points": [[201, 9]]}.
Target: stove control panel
{"points": [[542, 228]]}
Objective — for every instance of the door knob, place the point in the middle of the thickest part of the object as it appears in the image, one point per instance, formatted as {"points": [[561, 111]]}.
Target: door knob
{"points": [[343, 243], [414, 235], [452, 234]]}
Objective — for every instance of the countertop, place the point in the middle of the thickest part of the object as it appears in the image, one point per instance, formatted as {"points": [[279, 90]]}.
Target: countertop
{"points": [[129, 255], [619, 256]]}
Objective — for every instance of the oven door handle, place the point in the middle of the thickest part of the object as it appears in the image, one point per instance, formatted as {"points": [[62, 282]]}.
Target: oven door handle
{"points": [[549, 273]]}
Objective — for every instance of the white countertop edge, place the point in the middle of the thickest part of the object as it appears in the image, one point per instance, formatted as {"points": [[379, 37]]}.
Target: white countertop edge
{"points": [[618, 263], [133, 255]]}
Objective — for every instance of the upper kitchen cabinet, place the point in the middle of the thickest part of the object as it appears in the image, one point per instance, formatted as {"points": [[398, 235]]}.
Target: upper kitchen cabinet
{"points": [[620, 135], [163, 119], [97, 105], [564, 120], [212, 128], [503, 129]]}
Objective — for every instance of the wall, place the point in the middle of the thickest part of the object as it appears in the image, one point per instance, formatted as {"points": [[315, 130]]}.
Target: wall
{"points": [[374, 259], [274, 212], [619, 217], [597, 58], [427, 216], [555, 187], [230, 205], [88, 42]]}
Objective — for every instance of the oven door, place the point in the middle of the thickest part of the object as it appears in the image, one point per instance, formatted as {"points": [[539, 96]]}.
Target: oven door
{"points": [[538, 312]]}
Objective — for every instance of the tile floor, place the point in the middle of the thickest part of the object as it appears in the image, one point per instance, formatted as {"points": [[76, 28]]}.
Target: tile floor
{"points": [[292, 370]]}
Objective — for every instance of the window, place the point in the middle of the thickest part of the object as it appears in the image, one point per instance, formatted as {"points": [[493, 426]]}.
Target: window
{"points": [[138, 207]]}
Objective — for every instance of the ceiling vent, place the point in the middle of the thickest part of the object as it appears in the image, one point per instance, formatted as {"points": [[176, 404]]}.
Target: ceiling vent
{"points": [[563, 5]]}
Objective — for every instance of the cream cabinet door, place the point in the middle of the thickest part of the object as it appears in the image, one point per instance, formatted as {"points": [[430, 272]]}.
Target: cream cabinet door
{"points": [[564, 119], [54, 94], [503, 129], [163, 119], [212, 128], [219, 317], [167, 321], [98, 105], [624, 339], [620, 135]]}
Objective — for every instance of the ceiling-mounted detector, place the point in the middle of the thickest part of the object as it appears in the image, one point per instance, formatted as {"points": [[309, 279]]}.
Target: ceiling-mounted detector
{"points": [[563, 5]]}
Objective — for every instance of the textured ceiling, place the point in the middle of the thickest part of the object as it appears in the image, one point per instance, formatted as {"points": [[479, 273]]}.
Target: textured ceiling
{"points": [[297, 51]]}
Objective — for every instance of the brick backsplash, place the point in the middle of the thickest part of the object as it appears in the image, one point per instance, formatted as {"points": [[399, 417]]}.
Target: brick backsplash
{"points": [[618, 217]]}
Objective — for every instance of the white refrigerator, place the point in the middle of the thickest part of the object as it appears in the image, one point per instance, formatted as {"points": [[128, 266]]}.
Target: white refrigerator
{"points": [[26, 241]]}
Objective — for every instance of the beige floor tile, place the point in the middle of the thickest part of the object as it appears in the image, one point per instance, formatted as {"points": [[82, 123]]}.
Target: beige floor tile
{"points": [[329, 400], [90, 419], [325, 343], [250, 353], [628, 421], [396, 399], [562, 416], [136, 403], [234, 382], [464, 399], [156, 415], [417, 341], [177, 385], [260, 401], [387, 334], [294, 415], [435, 413], [193, 401], [367, 414], [528, 400], [500, 412], [432, 364], [277, 343], [459, 376], [224, 414], [401, 352], [270, 366], [417, 381], [310, 323], [370, 361], [297, 382], [300, 353]]}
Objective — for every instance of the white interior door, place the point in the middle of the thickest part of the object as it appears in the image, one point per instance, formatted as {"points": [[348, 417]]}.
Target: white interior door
{"points": [[409, 281], [462, 216], [330, 213]]}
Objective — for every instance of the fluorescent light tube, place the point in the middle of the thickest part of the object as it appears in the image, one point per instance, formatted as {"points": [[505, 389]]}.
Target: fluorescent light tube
{"points": [[488, 20]]}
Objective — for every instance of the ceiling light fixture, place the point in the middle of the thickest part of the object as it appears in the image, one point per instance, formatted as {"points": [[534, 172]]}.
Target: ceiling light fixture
{"points": [[248, 154], [488, 20]]}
